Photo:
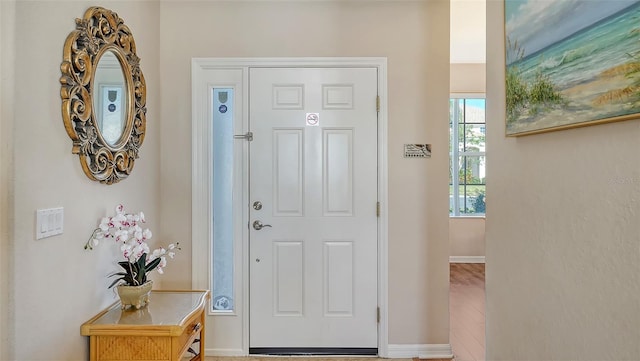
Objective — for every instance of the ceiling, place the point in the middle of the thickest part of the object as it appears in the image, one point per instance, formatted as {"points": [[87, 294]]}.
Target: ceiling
{"points": [[468, 31]]}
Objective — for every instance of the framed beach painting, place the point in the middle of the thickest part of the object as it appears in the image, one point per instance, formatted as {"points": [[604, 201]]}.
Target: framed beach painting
{"points": [[571, 63]]}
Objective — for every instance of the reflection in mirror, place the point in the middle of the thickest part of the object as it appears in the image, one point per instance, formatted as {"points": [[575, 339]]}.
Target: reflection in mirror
{"points": [[110, 99]]}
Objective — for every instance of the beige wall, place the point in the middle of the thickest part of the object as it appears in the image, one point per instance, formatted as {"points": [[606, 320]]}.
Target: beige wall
{"points": [[467, 235], [468, 78], [414, 37], [468, 31], [563, 256], [7, 11], [55, 284]]}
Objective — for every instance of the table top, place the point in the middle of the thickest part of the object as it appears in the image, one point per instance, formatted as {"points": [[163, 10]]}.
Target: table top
{"points": [[167, 312]]}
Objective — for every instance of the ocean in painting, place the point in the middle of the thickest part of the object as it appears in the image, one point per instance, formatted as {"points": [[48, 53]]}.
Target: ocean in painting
{"points": [[586, 68]]}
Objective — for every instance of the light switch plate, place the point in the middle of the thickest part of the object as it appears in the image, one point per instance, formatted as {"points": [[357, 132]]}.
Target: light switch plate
{"points": [[49, 222]]}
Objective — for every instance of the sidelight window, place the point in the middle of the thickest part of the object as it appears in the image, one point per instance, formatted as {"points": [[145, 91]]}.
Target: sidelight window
{"points": [[223, 216]]}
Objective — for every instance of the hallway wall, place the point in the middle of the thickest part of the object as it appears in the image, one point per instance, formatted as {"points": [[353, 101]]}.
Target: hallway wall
{"points": [[563, 237]]}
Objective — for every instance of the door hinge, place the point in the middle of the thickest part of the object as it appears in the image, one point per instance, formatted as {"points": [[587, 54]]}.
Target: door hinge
{"points": [[377, 103], [377, 209], [378, 314], [248, 136]]}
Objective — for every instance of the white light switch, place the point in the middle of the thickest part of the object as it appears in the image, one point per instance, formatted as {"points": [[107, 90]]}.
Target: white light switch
{"points": [[49, 222]]}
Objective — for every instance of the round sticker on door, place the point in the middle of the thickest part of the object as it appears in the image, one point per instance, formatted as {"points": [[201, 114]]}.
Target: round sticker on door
{"points": [[313, 119]]}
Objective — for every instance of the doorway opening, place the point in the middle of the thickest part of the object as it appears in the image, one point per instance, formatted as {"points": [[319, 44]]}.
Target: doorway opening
{"points": [[282, 191]]}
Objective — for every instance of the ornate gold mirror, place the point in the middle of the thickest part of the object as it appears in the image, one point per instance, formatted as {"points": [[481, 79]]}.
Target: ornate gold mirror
{"points": [[103, 95]]}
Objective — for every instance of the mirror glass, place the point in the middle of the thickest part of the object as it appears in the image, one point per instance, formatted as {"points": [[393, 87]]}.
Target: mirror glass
{"points": [[110, 98]]}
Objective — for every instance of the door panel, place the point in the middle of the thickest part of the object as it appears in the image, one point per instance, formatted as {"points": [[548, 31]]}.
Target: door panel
{"points": [[288, 280], [313, 267], [288, 145], [337, 162], [338, 278]]}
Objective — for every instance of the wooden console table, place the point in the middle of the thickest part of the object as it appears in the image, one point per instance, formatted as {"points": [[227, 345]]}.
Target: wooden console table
{"points": [[163, 330]]}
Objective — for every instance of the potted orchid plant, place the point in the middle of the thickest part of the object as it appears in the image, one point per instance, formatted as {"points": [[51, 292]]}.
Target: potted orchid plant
{"points": [[126, 231]]}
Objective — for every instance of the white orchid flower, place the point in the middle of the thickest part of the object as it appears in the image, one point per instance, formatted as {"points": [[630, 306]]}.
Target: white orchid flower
{"points": [[118, 220], [125, 229], [121, 235], [119, 209], [171, 247], [156, 253], [139, 250], [105, 224], [126, 251]]}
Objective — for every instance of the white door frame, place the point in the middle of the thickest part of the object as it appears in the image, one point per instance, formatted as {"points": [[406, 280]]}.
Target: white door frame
{"points": [[201, 178]]}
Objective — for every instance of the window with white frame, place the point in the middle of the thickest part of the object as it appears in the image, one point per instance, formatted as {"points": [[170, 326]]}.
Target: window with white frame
{"points": [[467, 129]]}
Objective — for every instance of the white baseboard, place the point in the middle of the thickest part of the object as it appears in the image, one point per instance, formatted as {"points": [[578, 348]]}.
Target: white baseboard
{"points": [[224, 352], [425, 351], [466, 259]]}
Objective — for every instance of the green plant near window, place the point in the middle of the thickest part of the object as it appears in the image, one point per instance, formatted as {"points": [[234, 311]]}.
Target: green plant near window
{"points": [[479, 205]]}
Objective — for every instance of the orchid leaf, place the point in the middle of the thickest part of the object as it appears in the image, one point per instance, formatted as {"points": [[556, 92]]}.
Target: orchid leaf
{"points": [[153, 264], [115, 282], [141, 261], [141, 269]]}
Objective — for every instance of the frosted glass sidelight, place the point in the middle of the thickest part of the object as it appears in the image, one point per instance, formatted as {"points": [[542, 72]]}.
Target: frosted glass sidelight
{"points": [[222, 294]]}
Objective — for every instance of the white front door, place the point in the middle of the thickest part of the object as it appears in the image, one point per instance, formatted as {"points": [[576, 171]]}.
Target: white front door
{"points": [[313, 187]]}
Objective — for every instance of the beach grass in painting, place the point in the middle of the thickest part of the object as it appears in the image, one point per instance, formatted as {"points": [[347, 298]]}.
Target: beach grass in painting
{"points": [[571, 63]]}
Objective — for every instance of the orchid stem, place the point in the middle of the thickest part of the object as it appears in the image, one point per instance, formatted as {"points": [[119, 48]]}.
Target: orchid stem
{"points": [[88, 244]]}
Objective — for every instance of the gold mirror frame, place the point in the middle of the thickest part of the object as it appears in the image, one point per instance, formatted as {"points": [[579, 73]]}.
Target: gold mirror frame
{"points": [[98, 31]]}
